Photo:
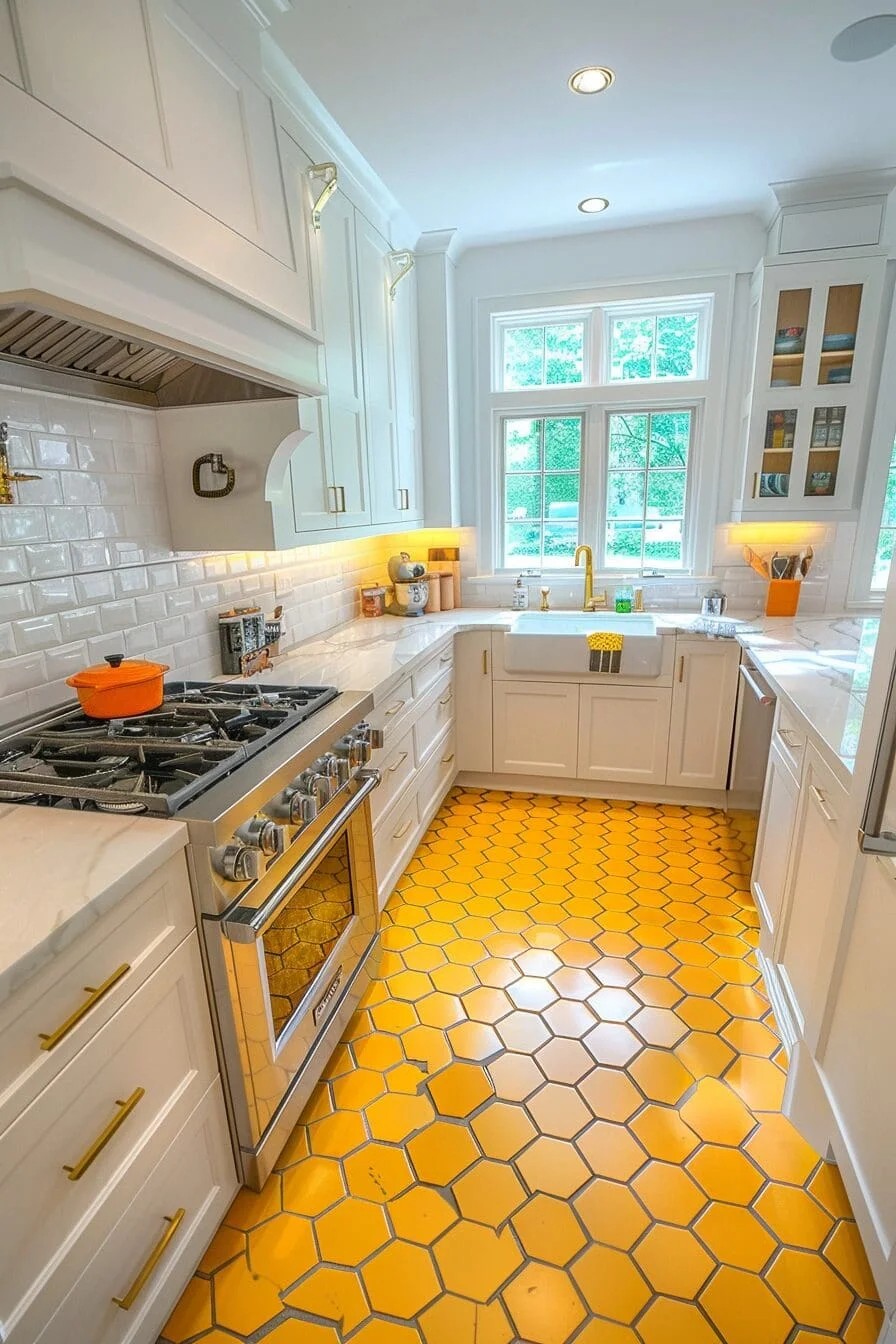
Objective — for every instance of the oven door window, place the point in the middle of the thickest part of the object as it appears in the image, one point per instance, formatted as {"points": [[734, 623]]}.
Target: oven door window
{"points": [[299, 941]]}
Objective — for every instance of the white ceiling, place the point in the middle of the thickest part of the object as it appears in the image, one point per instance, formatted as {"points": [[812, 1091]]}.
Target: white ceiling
{"points": [[462, 107]]}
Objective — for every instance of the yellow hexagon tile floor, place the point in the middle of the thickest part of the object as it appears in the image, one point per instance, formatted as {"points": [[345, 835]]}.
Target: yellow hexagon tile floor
{"points": [[556, 1116]]}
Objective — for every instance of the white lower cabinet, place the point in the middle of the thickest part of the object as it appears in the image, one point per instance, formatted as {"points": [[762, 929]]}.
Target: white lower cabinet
{"points": [[703, 701], [536, 728], [810, 890], [623, 733], [128, 1290], [473, 688], [773, 842]]}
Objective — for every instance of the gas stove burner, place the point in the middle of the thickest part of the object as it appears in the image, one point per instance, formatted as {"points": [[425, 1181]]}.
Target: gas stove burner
{"points": [[153, 762]]}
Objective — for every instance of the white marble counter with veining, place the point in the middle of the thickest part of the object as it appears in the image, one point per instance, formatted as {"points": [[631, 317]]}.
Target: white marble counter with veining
{"points": [[61, 870]]}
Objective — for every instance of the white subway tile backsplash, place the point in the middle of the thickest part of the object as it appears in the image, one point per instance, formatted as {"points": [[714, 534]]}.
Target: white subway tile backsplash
{"points": [[37, 632], [19, 449], [171, 629], [66, 522], [96, 455], [142, 427], [80, 622], [141, 640], [20, 524], [105, 522], [66, 415], [47, 490], [48, 558], [131, 580], [13, 564], [108, 422], [22, 409], [53, 594], [21, 674], [163, 576], [66, 660], [179, 600], [117, 489], [80, 487], [87, 555], [52, 452], [92, 588], [15, 600], [118, 615], [151, 608], [7, 642]]}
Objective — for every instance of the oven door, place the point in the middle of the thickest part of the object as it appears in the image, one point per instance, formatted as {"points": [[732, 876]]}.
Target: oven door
{"points": [[290, 960]]}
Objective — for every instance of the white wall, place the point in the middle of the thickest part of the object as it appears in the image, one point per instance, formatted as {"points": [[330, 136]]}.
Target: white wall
{"points": [[87, 568]]}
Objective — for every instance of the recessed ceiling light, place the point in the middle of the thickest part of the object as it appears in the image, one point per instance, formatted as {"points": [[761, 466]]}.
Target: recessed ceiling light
{"points": [[593, 205], [863, 40], [591, 79]]}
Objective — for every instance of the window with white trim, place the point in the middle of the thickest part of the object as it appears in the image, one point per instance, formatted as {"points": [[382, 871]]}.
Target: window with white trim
{"points": [[592, 442], [886, 537]]}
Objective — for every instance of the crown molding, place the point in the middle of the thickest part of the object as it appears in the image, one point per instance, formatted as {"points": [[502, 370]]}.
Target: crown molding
{"points": [[445, 242], [837, 187]]}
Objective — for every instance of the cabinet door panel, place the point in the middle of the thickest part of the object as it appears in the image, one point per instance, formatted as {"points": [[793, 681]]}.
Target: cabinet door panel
{"points": [[379, 389], [107, 86], [9, 56], [408, 448], [623, 733], [773, 841], [294, 164], [310, 470], [810, 890], [703, 701], [473, 682], [536, 728]]}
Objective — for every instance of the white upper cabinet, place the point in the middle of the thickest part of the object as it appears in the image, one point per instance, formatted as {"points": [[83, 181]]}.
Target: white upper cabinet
{"points": [[405, 347], [379, 384], [9, 57]]}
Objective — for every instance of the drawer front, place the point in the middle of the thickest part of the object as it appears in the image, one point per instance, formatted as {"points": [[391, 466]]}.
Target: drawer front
{"points": [[397, 769], [195, 1174], [114, 956], [146, 1070], [790, 739], [435, 715], [431, 670], [389, 713], [394, 836], [436, 776]]}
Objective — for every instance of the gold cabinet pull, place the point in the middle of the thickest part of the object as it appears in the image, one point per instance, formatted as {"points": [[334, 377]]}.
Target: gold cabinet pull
{"points": [[49, 1040], [485, 662], [398, 764], [393, 709], [403, 830], [446, 760], [89, 1157], [681, 667], [445, 698], [155, 1255]]}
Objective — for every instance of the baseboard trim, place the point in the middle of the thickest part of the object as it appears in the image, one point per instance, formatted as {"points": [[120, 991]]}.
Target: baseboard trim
{"points": [[589, 788]]}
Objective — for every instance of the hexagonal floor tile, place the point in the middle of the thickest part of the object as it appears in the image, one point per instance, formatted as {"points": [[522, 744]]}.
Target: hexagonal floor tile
{"points": [[611, 1283], [454, 1319], [809, 1288], [503, 1129], [743, 1309], [717, 1115], [669, 1193], [544, 1304], [661, 1130], [668, 1322], [553, 1167], [350, 1232], [673, 1261], [735, 1236], [793, 1216], [558, 1110], [282, 1249], [400, 1280], [725, 1173], [549, 1230], [378, 1172], [611, 1213], [460, 1089], [489, 1192], [610, 1150], [475, 1261]]}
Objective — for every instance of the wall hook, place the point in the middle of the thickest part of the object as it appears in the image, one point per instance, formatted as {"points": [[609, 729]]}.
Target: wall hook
{"points": [[405, 262], [218, 467], [330, 174]]}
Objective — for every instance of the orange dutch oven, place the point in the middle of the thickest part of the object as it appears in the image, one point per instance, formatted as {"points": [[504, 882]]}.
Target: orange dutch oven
{"points": [[125, 686]]}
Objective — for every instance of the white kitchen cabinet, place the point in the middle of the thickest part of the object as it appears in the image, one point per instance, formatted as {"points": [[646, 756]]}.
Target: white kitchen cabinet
{"points": [[9, 57], [160, 91], [773, 843], [623, 733], [408, 473], [536, 728], [473, 688], [300, 193], [377, 358], [703, 701], [810, 889]]}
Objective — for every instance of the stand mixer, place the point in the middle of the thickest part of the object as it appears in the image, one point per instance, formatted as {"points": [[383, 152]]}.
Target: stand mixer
{"points": [[411, 590]]}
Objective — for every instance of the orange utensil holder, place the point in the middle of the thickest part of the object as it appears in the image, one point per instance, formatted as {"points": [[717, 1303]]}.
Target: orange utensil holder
{"points": [[783, 597]]}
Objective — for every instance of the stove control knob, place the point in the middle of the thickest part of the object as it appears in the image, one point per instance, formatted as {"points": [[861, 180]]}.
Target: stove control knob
{"points": [[327, 770], [362, 747], [345, 764], [236, 862], [372, 736], [294, 807], [264, 835]]}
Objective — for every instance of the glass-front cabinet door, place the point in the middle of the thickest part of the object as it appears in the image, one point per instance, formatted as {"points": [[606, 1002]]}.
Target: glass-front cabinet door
{"points": [[814, 359]]}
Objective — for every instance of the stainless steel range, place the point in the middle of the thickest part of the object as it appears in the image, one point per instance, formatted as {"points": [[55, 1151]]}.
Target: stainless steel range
{"points": [[273, 785]]}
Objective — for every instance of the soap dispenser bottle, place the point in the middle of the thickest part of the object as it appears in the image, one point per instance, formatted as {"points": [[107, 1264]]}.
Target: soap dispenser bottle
{"points": [[519, 596]]}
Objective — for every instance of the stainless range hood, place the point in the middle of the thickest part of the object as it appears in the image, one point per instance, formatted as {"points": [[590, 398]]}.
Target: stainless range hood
{"points": [[44, 350]]}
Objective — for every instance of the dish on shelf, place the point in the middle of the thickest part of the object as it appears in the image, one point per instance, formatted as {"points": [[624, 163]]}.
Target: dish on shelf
{"points": [[783, 382], [774, 484], [820, 483], [790, 340], [840, 373], [839, 340]]}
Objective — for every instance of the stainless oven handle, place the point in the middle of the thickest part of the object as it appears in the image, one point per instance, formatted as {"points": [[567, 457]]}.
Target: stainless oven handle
{"points": [[246, 923], [764, 697]]}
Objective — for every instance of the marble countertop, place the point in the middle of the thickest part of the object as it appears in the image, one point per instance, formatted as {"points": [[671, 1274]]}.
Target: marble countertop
{"points": [[819, 664], [62, 871]]}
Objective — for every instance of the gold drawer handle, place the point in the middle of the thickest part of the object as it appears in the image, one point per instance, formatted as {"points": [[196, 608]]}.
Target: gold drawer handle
{"points": [[403, 830], [84, 1163], [50, 1040], [398, 764], [393, 709], [446, 658], [792, 740], [446, 760], [445, 698], [155, 1255]]}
